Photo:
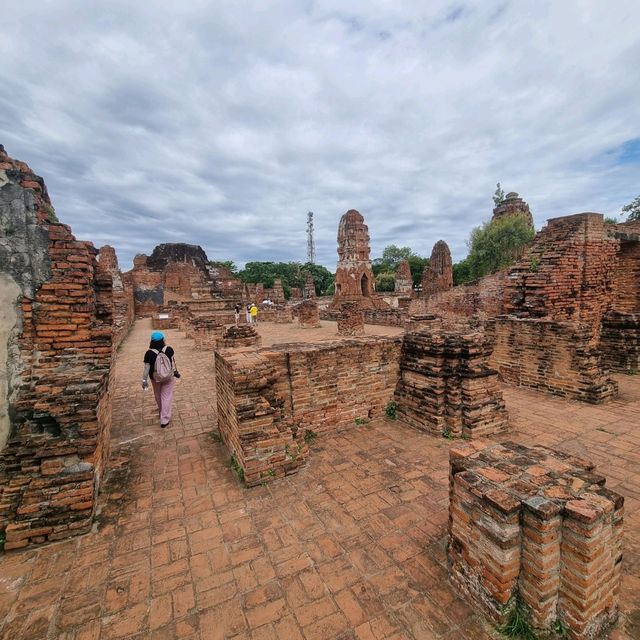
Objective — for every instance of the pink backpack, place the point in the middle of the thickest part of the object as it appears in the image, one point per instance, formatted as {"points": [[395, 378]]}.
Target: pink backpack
{"points": [[163, 368]]}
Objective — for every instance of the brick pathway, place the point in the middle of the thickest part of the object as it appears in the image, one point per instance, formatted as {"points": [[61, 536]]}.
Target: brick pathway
{"points": [[352, 547]]}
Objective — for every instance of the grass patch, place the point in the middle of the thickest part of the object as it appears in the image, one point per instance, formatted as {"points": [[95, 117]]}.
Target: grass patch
{"points": [[632, 372], [310, 436], [2, 541], [51, 212], [447, 433], [517, 626], [235, 465], [361, 421], [391, 410]]}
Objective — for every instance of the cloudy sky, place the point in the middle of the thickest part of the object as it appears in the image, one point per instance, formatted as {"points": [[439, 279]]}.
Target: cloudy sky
{"points": [[222, 123]]}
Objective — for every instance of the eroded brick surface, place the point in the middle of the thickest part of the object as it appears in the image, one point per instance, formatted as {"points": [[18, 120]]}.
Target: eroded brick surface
{"points": [[353, 546]]}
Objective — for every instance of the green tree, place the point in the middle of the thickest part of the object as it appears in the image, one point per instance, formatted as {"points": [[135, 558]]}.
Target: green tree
{"points": [[497, 244], [461, 272], [632, 209], [417, 266], [385, 281], [228, 264], [322, 277], [292, 274], [498, 196]]}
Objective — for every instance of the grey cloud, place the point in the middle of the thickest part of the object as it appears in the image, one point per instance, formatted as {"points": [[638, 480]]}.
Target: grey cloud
{"points": [[224, 124]]}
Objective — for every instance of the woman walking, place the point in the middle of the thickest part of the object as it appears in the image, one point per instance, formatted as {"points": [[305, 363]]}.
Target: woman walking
{"points": [[159, 365]]}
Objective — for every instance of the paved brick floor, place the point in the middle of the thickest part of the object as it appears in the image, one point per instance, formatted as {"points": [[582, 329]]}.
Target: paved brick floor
{"points": [[281, 333], [352, 547]]}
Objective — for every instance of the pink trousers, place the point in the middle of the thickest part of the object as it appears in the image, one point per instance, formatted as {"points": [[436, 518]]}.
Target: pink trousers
{"points": [[163, 392]]}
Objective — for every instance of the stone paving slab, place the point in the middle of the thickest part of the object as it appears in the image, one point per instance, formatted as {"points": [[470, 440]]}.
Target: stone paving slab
{"points": [[352, 547]]}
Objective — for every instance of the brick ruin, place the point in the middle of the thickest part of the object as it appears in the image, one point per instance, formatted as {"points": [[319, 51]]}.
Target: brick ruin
{"points": [[513, 204], [438, 276], [123, 302], [55, 359], [309, 286], [308, 314], [243, 335], [172, 272], [269, 399], [403, 279], [535, 529], [354, 277], [564, 313], [351, 319], [446, 386]]}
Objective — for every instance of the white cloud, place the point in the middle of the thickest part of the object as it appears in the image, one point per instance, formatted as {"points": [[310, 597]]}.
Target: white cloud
{"points": [[223, 124]]}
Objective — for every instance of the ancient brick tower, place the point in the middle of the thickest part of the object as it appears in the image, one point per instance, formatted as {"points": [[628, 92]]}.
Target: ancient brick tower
{"points": [[511, 205], [403, 278], [438, 276], [354, 277]]}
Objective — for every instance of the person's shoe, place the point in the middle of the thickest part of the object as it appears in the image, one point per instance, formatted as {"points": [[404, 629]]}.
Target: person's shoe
{"points": [[163, 425]]}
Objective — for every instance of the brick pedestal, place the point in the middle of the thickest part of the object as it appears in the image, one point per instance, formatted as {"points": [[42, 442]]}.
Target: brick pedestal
{"points": [[308, 314], [538, 527], [243, 335], [351, 319], [447, 387]]}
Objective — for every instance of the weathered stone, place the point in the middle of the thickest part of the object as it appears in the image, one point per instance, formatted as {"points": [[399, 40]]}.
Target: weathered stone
{"points": [[241, 336]]}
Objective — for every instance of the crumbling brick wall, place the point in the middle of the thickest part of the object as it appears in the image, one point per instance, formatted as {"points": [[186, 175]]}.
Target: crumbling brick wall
{"points": [[243, 335], [483, 298], [556, 357], [620, 338], [176, 272], [446, 385], [535, 529], [123, 303], [268, 399], [56, 402]]}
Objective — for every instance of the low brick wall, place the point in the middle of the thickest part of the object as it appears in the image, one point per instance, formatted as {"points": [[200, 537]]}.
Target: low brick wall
{"points": [[556, 357], [268, 399], [447, 387], [280, 314], [620, 341], [535, 528]]}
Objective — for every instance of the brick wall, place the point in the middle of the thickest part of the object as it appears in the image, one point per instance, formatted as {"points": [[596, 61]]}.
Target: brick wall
{"points": [[566, 274], [556, 357], [483, 298], [535, 527], [58, 361], [123, 302], [620, 341], [447, 387], [268, 399]]}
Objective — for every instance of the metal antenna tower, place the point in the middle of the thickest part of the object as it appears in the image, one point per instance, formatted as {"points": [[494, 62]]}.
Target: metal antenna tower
{"points": [[311, 245]]}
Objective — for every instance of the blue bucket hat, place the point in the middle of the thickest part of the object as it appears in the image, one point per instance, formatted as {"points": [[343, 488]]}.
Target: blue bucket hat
{"points": [[156, 336]]}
